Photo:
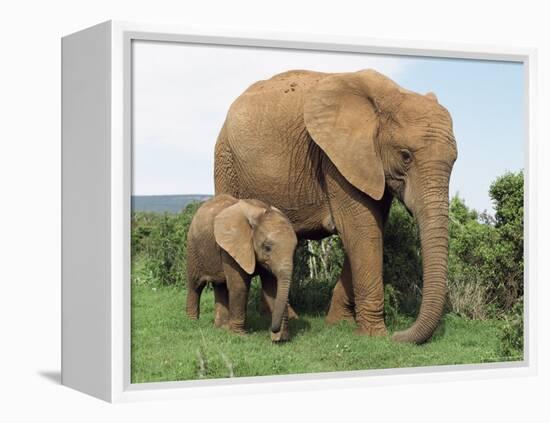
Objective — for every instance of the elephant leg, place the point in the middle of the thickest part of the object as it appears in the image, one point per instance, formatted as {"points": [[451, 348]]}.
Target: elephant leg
{"points": [[269, 293], [368, 288], [238, 285], [221, 298], [194, 292], [359, 221], [342, 304], [361, 230]]}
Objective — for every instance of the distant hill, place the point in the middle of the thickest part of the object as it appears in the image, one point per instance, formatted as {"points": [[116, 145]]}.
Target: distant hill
{"points": [[165, 203]]}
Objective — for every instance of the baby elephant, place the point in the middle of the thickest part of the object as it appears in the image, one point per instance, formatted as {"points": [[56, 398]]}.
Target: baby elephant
{"points": [[231, 240]]}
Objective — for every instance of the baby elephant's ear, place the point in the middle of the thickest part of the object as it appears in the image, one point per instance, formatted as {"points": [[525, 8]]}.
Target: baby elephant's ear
{"points": [[233, 230]]}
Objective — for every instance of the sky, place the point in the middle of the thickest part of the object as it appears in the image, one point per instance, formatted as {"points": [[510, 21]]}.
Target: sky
{"points": [[181, 94]]}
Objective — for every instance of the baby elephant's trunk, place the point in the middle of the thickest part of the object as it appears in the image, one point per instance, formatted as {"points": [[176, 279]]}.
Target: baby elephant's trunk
{"points": [[279, 316]]}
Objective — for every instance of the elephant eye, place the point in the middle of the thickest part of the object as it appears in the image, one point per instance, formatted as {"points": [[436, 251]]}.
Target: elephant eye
{"points": [[406, 156], [267, 248]]}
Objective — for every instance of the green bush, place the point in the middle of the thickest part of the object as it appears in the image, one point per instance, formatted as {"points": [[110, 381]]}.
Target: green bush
{"points": [[391, 305], [486, 254], [507, 195], [402, 258], [160, 241], [471, 261], [511, 340], [317, 266]]}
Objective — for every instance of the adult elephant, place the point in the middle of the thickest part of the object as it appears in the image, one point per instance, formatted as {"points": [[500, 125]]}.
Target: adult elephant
{"points": [[331, 151]]}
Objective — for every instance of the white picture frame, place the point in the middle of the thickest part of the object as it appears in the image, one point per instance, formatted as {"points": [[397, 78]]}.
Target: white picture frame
{"points": [[96, 191]]}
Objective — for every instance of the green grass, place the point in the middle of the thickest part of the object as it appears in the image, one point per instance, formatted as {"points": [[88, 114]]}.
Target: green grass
{"points": [[166, 346]]}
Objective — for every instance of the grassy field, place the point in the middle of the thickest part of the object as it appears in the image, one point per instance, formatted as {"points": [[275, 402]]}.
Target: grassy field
{"points": [[166, 346]]}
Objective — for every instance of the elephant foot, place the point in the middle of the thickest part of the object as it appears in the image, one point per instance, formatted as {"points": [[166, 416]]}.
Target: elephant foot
{"points": [[341, 308], [238, 329], [281, 336], [221, 319], [378, 329], [240, 332], [192, 313], [340, 313], [222, 325], [292, 315], [334, 320]]}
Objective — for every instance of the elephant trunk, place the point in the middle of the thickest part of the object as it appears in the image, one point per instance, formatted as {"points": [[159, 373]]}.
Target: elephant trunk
{"points": [[433, 220], [279, 315]]}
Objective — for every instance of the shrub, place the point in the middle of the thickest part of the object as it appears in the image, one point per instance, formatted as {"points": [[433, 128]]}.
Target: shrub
{"points": [[317, 266], [467, 295], [160, 240], [391, 305], [507, 195], [402, 258], [471, 261], [511, 340], [486, 254]]}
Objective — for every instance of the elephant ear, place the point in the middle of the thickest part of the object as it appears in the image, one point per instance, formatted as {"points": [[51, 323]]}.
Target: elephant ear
{"points": [[233, 231], [340, 114]]}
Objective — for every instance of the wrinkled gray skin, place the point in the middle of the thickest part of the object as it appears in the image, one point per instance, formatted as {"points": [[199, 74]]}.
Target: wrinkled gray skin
{"points": [[331, 151], [229, 241]]}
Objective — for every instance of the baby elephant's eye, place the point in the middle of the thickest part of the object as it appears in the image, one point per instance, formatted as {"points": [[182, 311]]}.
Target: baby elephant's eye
{"points": [[267, 248], [406, 156]]}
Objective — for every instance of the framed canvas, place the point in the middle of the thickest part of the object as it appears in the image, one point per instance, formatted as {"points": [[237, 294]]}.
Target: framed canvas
{"points": [[399, 172]]}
